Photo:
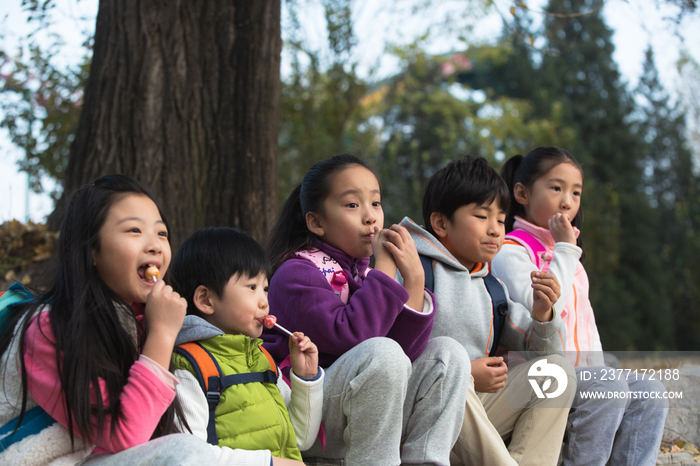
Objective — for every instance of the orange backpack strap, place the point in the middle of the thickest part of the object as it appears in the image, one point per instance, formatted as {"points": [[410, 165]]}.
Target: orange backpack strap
{"points": [[273, 365], [202, 362], [208, 374]]}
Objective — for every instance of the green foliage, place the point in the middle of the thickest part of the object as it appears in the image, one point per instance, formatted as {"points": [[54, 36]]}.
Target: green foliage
{"points": [[429, 118], [321, 111], [672, 185]]}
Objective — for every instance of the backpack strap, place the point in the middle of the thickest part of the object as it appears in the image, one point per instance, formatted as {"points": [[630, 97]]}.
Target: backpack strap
{"points": [[499, 301], [15, 295], [208, 373], [499, 306], [427, 264], [330, 268], [534, 247], [36, 419]]}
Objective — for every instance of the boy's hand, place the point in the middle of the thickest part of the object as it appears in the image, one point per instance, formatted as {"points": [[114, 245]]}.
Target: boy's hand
{"points": [[303, 356], [403, 249], [489, 374], [383, 259], [285, 462], [546, 292], [561, 229], [164, 314]]}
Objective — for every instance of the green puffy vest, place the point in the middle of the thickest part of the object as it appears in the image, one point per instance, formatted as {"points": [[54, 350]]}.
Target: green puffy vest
{"points": [[249, 416]]}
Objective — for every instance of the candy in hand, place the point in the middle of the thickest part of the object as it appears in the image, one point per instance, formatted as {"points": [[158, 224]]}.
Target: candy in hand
{"points": [[547, 257], [152, 273]]}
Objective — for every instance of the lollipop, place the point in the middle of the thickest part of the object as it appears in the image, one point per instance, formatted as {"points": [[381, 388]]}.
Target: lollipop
{"points": [[271, 321], [547, 257], [152, 273]]}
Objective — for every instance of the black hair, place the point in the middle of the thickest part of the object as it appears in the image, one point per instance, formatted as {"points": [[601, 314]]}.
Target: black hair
{"points": [[211, 257], [530, 168], [93, 345], [464, 181], [290, 233]]}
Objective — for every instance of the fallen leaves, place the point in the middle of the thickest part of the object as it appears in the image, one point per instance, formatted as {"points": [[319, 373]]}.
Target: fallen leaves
{"points": [[21, 245]]}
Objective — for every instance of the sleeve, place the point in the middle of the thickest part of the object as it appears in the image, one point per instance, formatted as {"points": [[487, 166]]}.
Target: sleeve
{"points": [[304, 402], [196, 411], [302, 299], [512, 265], [523, 333], [144, 399]]}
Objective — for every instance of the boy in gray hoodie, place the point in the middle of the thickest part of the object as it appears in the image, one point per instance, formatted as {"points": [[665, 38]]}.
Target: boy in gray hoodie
{"points": [[464, 209]]}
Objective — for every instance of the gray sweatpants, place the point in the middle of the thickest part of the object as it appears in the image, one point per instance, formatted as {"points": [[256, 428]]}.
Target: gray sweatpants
{"points": [[180, 449], [627, 431], [381, 409]]}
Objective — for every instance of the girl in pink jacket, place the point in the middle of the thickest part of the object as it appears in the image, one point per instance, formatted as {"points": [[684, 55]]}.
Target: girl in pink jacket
{"points": [[546, 187], [93, 351]]}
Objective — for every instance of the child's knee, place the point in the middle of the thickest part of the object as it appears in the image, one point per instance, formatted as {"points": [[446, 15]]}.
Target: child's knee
{"points": [[386, 359], [571, 385], [451, 354]]}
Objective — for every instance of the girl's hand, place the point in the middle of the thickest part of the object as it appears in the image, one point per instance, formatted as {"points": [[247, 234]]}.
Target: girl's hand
{"points": [[546, 292], [164, 314], [303, 356], [383, 259], [561, 229], [403, 249], [489, 374]]}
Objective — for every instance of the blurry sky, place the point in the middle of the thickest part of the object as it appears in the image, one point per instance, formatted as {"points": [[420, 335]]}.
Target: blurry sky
{"points": [[636, 24]]}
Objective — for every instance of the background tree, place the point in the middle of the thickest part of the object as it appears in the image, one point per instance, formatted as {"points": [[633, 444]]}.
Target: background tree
{"points": [[185, 98], [671, 182]]}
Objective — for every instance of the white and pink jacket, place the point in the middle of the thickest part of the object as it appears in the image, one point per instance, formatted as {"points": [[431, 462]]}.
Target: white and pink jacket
{"points": [[522, 254]]}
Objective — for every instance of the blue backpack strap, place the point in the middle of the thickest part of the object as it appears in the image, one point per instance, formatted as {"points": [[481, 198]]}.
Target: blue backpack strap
{"points": [[249, 377], [15, 295], [427, 264], [500, 308], [34, 421]]}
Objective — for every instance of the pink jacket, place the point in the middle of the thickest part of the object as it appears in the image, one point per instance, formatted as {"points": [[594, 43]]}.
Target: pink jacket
{"points": [[146, 396], [513, 265]]}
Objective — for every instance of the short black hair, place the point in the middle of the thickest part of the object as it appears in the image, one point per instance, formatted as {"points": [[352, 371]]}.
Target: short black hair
{"points": [[465, 181], [211, 257]]}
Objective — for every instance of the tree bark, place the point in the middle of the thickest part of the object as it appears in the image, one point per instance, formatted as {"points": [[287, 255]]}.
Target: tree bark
{"points": [[184, 96]]}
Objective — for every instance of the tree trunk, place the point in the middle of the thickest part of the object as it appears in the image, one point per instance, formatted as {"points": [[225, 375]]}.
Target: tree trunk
{"points": [[184, 96]]}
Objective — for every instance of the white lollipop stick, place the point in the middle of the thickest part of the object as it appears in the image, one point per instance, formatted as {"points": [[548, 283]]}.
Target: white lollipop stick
{"points": [[284, 330]]}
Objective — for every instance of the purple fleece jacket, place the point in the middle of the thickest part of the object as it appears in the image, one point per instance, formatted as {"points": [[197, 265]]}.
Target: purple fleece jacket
{"points": [[302, 300]]}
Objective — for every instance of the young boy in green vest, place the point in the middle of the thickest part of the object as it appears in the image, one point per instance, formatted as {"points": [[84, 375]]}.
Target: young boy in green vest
{"points": [[222, 273]]}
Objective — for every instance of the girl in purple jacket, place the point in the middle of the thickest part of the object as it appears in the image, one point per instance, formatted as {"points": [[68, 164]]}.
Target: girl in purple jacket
{"points": [[390, 396]]}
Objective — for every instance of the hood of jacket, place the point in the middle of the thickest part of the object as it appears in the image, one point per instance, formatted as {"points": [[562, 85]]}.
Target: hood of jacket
{"points": [[194, 328]]}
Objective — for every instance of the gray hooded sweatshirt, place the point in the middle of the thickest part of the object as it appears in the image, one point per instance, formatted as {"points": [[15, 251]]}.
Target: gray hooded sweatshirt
{"points": [[464, 309]]}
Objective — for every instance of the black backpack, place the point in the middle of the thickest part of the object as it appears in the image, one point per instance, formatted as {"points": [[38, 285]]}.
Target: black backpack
{"points": [[498, 298]]}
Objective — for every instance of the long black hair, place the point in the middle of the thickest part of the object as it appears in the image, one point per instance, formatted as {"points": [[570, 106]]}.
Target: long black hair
{"points": [[290, 233], [86, 316], [530, 168]]}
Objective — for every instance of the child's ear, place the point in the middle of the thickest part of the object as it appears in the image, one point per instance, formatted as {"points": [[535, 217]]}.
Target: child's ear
{"points": [[313, 223], [521, 194], [202, 300], [439, 223]]}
